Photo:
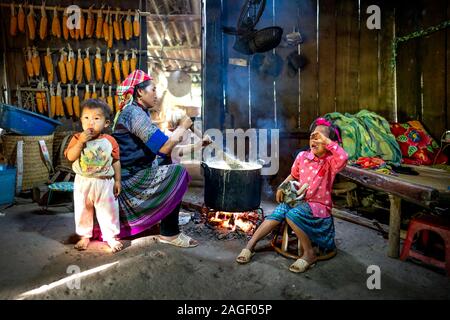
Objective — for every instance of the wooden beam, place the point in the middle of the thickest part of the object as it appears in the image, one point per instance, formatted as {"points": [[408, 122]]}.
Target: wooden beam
{"points": [[395, 219]]}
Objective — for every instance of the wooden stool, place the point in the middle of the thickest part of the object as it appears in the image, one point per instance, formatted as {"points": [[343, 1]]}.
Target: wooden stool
{"points": [[349, 190], [425, 224], [283, 246]]}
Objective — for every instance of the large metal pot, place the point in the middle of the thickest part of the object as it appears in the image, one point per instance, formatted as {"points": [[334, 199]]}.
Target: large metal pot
{"points": [[232, 190]]}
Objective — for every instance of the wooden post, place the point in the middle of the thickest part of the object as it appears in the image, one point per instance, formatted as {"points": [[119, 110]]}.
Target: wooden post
{"points": [[394, 226]]}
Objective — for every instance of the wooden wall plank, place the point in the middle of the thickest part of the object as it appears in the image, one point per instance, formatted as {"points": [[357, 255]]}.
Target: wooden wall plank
{"points": [[347, 64], [308, 75], [432, 48], [262, 106], [236, 77], [386, 85], [287, 84], [368, 61], [327, 56], [408, 65]]}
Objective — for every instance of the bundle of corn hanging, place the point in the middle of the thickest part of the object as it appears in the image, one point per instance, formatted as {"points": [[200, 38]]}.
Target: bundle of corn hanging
{"points": [[102, 96], [98, 65], [108, 68], [127, 26], [76, 102], [31, 22], [116, 67], [79, 32], [109, 99], [56, 27], [68, 101], [87, 66], [21, 19], [94, 93], [99, 24], [13, 22], [136, 24], [62, 67], [70, 65], [90, 24], [64, 25], [133, 60], [87, 94], [59, 102], [49, 66], [29, 62], [116, 26], [79, 68], [125, 64], [36, 61], [43, 25], [52, 102]]}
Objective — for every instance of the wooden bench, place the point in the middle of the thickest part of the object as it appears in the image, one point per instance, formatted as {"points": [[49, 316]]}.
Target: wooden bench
{"points": [[424, 190]]}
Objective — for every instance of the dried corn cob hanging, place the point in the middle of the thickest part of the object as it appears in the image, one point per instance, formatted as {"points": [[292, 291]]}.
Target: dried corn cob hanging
{"points": [[72, 32], [62, 68], [94, 93], [111, 32], [108, 68], [39, 96], [102, 96], [52, 102], [105, 26], [137, 24], [59, 103], [87, 66], [49, 66], [56, 27], [82, 29], [31, 22], [43, 25], [125, 64], [98, 65], [36, 60], [127, 26], [13, 22], [121, 27], [116, 26], [116, 67], [99, 24], [43, 96], [90, 23], [64, 25], [87, 94], [29, 63], [76, 102], [79, 69], [109, 100], [70, 65], [133, 60], [21, 19], [116, 102], [68, 101]]}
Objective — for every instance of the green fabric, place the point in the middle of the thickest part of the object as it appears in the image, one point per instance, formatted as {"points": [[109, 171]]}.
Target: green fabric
{"points": [[366, 134]]}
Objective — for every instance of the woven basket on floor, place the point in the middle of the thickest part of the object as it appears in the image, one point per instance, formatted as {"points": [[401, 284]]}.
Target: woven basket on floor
{"points": [[60, 142], [35, 172]]}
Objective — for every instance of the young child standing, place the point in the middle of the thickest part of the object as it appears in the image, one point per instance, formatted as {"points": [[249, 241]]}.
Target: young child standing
{"points": [[311, 218], [96, 163]]}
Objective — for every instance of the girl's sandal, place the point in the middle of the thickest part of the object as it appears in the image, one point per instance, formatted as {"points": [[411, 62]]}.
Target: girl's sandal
{"points": [[245, 256], [301, 265]]}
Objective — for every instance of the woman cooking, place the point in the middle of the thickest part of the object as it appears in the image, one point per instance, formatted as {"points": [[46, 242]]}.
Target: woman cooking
{"points": [[150, 193]]}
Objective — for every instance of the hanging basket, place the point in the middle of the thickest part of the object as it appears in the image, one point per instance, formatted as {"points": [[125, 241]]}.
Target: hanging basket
{"points": [[35, 171]]}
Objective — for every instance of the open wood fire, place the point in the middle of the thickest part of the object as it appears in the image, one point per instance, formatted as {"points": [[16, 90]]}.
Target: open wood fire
{"points": [[244, 221]]}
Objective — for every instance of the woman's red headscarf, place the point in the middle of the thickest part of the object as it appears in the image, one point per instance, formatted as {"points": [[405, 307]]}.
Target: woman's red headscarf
{"points": [[126, 89]]}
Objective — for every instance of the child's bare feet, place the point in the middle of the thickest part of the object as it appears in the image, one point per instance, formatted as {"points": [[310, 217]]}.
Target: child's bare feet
{"points": [[82, 244], [115, 245]]}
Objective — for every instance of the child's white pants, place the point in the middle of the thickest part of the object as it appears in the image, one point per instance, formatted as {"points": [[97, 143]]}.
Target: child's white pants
{"points": [[95, 194]]}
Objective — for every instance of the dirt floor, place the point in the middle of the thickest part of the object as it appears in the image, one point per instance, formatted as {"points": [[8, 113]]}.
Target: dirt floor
{"points": [[37, 260]]}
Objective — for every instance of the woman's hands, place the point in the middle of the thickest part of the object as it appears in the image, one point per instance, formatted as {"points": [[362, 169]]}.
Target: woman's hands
{"points": [[206, 140], [185, 122]]}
